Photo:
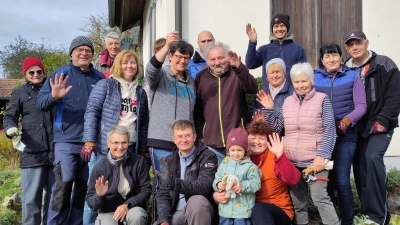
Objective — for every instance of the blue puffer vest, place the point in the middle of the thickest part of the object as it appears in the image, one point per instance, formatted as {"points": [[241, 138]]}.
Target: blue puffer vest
{"points": [[340, 92]]}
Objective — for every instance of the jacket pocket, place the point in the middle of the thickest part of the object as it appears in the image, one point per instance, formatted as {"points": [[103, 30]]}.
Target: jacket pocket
{"points": [[35, 139]]}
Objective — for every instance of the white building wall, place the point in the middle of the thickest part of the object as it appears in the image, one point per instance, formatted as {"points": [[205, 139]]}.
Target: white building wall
{"points": [[227, 20], [380, 23]]}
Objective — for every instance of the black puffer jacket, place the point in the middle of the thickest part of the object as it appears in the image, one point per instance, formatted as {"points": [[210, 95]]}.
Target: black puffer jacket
{"points": [[37, 128], [199, 177]]}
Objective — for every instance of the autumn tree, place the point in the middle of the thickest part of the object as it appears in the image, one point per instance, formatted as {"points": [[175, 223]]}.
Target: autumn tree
{"points": [[96, 27], [16, 52]]}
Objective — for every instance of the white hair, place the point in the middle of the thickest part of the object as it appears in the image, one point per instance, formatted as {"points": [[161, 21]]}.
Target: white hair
{"points": [[217, 44], [302, 68], [112, 34]]}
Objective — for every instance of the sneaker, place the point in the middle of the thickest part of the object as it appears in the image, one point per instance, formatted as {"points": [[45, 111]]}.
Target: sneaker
{"points": [[370, 222]]}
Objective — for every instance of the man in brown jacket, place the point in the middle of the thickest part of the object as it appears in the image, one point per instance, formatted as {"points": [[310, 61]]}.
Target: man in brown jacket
{"points": [[221, 97]]}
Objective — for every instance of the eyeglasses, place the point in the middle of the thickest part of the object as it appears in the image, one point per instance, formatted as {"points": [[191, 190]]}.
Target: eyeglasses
{"points": [[38, 72], [116, 144], [186, 136], [84, 50], [180, 57]]}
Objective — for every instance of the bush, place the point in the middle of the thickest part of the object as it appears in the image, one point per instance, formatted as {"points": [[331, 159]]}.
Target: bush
{"points": [[9, 157], [252, 98], [8, 217], [393, 185]]}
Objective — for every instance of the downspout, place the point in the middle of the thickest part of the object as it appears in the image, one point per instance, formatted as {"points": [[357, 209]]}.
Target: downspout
{"points": [[178, 17]]}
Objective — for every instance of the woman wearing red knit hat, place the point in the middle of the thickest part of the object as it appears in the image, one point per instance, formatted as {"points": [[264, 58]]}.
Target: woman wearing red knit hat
{"points": [[36, 159]]}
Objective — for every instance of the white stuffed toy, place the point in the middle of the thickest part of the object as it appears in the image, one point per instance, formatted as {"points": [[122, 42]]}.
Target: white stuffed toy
{"points": [[230, 180]]}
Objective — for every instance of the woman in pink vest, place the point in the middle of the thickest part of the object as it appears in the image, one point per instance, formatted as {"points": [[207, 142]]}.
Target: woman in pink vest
{"points": [[310, 135]]}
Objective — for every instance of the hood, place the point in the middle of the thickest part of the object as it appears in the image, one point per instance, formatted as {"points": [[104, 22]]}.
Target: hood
{"points": [[288, 38], [197, 57], [349, 63]]}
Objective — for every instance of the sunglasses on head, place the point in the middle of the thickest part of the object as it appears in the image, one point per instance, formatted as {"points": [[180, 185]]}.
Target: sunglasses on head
{"points": [[38, 72]]}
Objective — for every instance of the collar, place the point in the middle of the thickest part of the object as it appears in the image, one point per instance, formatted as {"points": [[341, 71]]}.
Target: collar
{"points": [[189, 156]]}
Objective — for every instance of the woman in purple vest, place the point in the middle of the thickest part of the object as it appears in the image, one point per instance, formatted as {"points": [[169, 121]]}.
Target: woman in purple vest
{"points": [[347, 95], [310, 135]]}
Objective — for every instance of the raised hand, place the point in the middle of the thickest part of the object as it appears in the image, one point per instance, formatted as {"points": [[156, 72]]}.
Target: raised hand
{"points": [[101, 186], [276, 145], [258, 116], [126, 43], [251, 32], [265, 100], [234, 59], [171, 38], [58, 89]]}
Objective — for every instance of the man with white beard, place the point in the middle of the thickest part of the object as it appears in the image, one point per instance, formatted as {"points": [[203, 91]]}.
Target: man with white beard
{"points": [[221, 97]]}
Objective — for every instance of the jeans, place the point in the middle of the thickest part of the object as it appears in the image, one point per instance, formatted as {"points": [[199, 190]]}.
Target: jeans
{"points": [[266, 213], [157, 155], [70, 171], [36, 181], [89, 215], [220, 152], [339, 178], [370, 176], [234, 221]]}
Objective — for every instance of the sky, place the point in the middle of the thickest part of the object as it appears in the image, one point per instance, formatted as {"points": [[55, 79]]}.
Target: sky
{"points": [[57, 21]]}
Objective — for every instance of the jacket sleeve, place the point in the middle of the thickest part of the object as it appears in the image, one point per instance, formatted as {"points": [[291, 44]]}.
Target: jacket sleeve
{"points": [[329, 135], [360, 102], [92, 199], [152, 72], [254, 58], [44, 101], [205, 178], [198, 116], [247, 81], [253, 183], [144, 191], [218, 176], [94, 108], [164, 202], [275, 121], [285, 170], [391, 105], [144, 123], [302, 56], [13, 111]]}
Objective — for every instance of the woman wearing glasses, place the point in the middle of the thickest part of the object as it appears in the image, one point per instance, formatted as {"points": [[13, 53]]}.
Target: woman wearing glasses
{"points": [[36, 160], [119, 184], [118, 100]]}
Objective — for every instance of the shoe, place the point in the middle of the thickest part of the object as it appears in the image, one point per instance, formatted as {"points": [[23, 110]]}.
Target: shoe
{"points": [[370, 222]]}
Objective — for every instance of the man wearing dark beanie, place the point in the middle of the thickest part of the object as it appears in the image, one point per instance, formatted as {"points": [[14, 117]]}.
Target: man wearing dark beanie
{"points": [[66, 93], [281, 46]]}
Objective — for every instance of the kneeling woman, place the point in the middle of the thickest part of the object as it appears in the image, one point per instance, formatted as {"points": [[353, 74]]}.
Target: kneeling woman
{"points": [[119, 184]]}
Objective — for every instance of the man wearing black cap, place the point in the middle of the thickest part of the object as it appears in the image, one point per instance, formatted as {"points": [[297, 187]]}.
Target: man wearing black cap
{"points": [[66, 92], [381, 78], [281, 46]]}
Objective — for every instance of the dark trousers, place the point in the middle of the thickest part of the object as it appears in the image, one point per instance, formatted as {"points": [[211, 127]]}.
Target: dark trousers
{"points": [[265, 213], [370, 176]]}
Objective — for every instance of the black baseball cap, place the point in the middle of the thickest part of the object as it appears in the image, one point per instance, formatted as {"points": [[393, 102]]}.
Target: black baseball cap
{"points": [[355, 34]]}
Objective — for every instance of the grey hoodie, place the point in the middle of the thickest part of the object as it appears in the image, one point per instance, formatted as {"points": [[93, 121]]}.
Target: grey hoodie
{"points": [[173, 99]]}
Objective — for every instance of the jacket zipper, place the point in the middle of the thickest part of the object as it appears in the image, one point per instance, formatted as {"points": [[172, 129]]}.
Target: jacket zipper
{"points": [[219, 111]]}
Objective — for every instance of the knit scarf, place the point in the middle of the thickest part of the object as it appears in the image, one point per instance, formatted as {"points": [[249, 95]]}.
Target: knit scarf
{"points": [[105, 58], [115, 161]]}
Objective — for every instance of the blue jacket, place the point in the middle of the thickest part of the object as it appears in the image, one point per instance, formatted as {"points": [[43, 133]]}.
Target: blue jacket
{"points": [[340, 92], [103, 110], [290, 52], [196, 64], [70, 110], [249, 176]]}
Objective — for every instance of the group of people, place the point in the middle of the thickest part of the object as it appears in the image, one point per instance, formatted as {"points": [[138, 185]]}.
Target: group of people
{"points": [[91, 136]]}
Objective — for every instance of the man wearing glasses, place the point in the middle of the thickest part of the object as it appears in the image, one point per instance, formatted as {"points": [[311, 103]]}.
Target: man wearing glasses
{"points": [[66, 92], [185, 195], [173, 96], [221, 97]]}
